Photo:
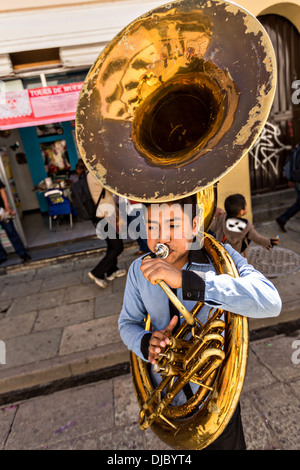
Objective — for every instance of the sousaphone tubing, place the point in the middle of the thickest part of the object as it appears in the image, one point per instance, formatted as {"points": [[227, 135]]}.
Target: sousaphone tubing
{"points": [[172, 104]]}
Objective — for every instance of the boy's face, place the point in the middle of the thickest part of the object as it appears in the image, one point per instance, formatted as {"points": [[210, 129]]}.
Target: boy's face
{"points": [[170, 225]]}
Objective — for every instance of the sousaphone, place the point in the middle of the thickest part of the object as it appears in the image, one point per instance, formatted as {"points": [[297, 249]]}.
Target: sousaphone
{"points": [[170, 106]]}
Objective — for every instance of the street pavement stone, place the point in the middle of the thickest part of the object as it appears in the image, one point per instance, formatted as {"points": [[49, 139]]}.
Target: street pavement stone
{"points": [[277, 356], [104, 415], [75, 415], [63, 315], [36, 301], [18, 325], [60, 281], [22, 349], [22, 289], [108, 305], [89, 335]]}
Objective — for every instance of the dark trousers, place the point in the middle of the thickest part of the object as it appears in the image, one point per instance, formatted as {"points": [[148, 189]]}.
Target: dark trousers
{"points": [[13, 238], [232, 438], [109, 264], [142, 240], [291, 211]]}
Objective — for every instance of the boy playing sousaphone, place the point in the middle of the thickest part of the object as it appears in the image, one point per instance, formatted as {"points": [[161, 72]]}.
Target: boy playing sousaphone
{"points": [[188, 270]]}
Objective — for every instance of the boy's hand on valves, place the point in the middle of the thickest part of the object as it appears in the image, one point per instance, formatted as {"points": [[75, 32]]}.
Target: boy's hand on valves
{"points": [[159, 340]]}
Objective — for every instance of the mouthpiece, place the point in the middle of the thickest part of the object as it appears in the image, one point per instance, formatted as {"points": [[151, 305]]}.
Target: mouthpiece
{"points": [[161, 250]]}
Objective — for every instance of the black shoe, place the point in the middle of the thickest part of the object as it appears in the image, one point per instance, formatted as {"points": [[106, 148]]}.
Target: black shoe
{"points": [[281, 224], [3, 260], [26, 258]]}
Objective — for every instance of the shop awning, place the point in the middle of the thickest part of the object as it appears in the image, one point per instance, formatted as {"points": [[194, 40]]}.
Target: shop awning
{"points": [[38, 106]]}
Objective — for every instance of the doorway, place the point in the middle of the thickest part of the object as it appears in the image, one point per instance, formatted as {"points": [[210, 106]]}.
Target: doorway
{"points": [[282, 130], [51, 152]]}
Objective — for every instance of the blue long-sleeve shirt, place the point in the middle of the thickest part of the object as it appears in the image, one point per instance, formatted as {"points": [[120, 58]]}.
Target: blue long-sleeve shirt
{"points": [[251, 295]]}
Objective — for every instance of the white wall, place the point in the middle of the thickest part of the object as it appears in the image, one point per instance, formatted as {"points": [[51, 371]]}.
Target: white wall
{"points": [[44, 28]]}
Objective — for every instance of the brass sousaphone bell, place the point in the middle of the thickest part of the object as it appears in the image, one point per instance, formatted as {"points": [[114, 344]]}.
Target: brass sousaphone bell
{"points": [[170, 106]]}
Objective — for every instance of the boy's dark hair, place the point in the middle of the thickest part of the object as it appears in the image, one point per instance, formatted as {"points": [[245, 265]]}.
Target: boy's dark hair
{"points": [[188, 200], [234, 204]]}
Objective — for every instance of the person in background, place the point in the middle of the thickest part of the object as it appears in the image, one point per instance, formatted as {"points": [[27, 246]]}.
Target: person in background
{"points": [[232, 227], [134, 211], [8, 226], [107, 269], [80, 168], [293, 182]]}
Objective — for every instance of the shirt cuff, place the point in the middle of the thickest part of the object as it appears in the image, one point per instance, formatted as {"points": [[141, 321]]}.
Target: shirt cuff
{"points": [[193, 285], [145, 345]]}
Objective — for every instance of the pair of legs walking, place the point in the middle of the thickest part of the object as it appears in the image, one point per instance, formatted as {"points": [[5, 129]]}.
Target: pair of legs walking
{"points": [[15, 240], [291, 211], [108, 266], [141, 229]]}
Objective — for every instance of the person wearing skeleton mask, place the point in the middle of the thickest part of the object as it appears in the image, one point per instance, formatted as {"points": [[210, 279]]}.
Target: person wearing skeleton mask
{"points": [[232, 227]]}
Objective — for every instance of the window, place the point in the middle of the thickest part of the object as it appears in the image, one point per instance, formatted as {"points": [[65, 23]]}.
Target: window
{"points": [[35, 59]]}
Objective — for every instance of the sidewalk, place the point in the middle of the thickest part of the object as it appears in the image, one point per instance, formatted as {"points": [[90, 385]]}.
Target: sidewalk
{"points": [[60, 330]]}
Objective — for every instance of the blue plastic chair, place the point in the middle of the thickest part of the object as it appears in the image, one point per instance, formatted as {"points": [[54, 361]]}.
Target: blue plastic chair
{"points": [[58, 205]]}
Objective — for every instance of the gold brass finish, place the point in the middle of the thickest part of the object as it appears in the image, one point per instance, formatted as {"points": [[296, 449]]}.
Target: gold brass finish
{"points": [[170, 106], [161, 253], [184, 312], [216, 363], [207, 199], [176, 100]]}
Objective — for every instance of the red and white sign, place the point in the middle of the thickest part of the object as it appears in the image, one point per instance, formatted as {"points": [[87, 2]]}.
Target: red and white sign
{"points": [[38, 106]]}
